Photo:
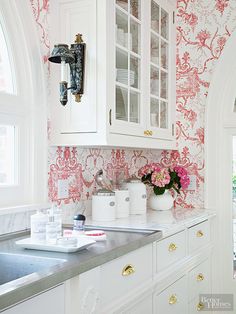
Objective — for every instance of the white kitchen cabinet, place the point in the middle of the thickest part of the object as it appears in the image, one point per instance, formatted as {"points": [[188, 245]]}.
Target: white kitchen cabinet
{"points": [[170, 250], [173, 299], [199, 280], [83, 293], [49, 302], [199, 236], [141, 307], [126, 273], [161, 277], [129, 93]]}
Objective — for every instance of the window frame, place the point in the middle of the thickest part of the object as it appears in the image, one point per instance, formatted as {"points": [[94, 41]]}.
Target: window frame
{"points": [[27, 108]]}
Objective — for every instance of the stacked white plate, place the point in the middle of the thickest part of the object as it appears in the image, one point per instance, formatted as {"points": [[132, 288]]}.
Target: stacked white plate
{"points": [[122, 76]]}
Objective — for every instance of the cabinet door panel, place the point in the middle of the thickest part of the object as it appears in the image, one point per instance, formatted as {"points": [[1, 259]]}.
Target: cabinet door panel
{"points": [[198, 236], [117, 281], [69, 18], [160, 43], [50, 302], [127, 113], [199, 280], [170, 250], [172, 300], [144, 306]]}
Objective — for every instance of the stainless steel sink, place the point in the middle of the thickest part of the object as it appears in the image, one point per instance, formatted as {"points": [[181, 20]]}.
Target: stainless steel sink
{"points": [[122, 229], [14, 266]]}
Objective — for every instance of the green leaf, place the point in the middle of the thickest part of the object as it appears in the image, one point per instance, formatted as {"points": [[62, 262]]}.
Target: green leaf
{"points": [[159, 190]]}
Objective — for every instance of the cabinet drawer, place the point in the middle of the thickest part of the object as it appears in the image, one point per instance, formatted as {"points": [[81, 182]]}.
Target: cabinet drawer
{"points": [[173, 299], [199, 280], [196, 307], [170, 250], [125, 273], [198, 236]]}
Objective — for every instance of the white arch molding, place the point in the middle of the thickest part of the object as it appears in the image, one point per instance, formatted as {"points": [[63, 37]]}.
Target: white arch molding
{"points": [[220, 128], [31, 83]]}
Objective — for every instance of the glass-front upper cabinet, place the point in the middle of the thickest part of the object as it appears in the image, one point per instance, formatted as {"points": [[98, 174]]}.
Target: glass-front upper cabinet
{"points": [[144, 67], [161, 70], [128, 64]]}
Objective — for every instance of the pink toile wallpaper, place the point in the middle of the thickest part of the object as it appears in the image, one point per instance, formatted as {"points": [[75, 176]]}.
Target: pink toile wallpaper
{"points": [[203, 27]]}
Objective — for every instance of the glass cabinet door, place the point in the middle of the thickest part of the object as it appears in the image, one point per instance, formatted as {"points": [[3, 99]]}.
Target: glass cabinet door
{"points": [[128, 61], [159, 102]]}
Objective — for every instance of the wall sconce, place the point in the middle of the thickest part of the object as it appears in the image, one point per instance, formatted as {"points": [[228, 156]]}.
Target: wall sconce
{"points": [[75, 57]]}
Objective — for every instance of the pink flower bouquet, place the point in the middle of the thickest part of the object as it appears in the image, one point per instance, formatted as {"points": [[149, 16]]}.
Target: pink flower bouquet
{"points": [[162, 179]]}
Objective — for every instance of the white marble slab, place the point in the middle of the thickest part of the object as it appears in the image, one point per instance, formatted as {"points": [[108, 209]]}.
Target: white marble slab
{"points": [[165, 221]]}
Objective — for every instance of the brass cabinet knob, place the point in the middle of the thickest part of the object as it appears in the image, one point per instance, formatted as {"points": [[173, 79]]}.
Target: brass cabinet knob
{"points": [[172, 247], [200, 277], [148, 132], [173, 299], [128, 270], [200, 306], [200, 234]]}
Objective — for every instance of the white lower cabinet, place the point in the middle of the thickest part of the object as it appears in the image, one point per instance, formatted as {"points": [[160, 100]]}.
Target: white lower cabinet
{"points": [[164, 277], [144, 306], [83, 293], [199, 280], [125, 274], [170, 251], [173, 300], [49, 302]]}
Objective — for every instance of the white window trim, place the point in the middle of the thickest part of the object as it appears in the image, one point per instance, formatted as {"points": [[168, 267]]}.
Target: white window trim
{"points": [[220, 128], [30, 80]]}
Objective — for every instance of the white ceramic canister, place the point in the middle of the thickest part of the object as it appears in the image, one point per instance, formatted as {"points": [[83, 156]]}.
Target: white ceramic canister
{"points": [[137, 196], [104, 205], [122, 203]]}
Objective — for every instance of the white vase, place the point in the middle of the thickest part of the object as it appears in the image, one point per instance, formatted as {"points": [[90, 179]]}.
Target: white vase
{"points": [[162, 202]]}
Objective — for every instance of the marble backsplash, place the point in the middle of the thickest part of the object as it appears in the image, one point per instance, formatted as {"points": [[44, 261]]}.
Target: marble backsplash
{"points": [[13, 222], [16, 221]]}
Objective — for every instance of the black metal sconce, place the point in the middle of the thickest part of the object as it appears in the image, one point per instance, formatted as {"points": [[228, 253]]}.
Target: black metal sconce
{"points": [[75, 57]]}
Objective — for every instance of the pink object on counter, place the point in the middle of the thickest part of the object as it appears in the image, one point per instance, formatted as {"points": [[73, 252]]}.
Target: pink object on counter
{"points": [[97, 235]]}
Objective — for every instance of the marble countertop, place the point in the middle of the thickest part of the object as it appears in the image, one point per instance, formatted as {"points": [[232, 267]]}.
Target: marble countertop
{"points": [[166, 221], [117, 244]]}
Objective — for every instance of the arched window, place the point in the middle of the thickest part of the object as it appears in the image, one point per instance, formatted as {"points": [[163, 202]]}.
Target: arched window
{"points": [[6, 71], [23, 146]]}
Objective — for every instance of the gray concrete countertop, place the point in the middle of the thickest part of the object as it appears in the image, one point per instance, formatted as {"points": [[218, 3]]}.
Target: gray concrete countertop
{"points": [[117, 244]]}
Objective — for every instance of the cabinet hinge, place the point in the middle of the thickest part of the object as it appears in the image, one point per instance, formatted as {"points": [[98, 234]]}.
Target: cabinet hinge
{"points": [[173, 129], [173, 17], [110, 116]]}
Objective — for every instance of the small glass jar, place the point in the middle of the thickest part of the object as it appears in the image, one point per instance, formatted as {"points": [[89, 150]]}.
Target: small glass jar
{"points": [[79, 224]]}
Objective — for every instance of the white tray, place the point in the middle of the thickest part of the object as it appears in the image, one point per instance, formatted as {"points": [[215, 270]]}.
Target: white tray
{"points": [[82, 243]]}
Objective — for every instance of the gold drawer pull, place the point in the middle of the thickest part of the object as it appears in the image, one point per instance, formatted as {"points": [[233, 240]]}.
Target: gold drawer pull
{"points": [[200, 306], [200, 277], [200, 234], [148, 132], [172, 247], [173, 299], [128, 270]]}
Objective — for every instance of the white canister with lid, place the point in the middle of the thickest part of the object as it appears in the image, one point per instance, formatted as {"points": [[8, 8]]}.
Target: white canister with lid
{"points": [[122, 203], [104, 205], [137, 196]]}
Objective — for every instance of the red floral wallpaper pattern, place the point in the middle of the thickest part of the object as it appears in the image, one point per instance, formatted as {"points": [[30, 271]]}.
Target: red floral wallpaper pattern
{"points": [[203, 27]]}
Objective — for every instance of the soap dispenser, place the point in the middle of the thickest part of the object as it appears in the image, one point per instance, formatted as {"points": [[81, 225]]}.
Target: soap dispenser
{"points": [[51, 228], [38, 223]]}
